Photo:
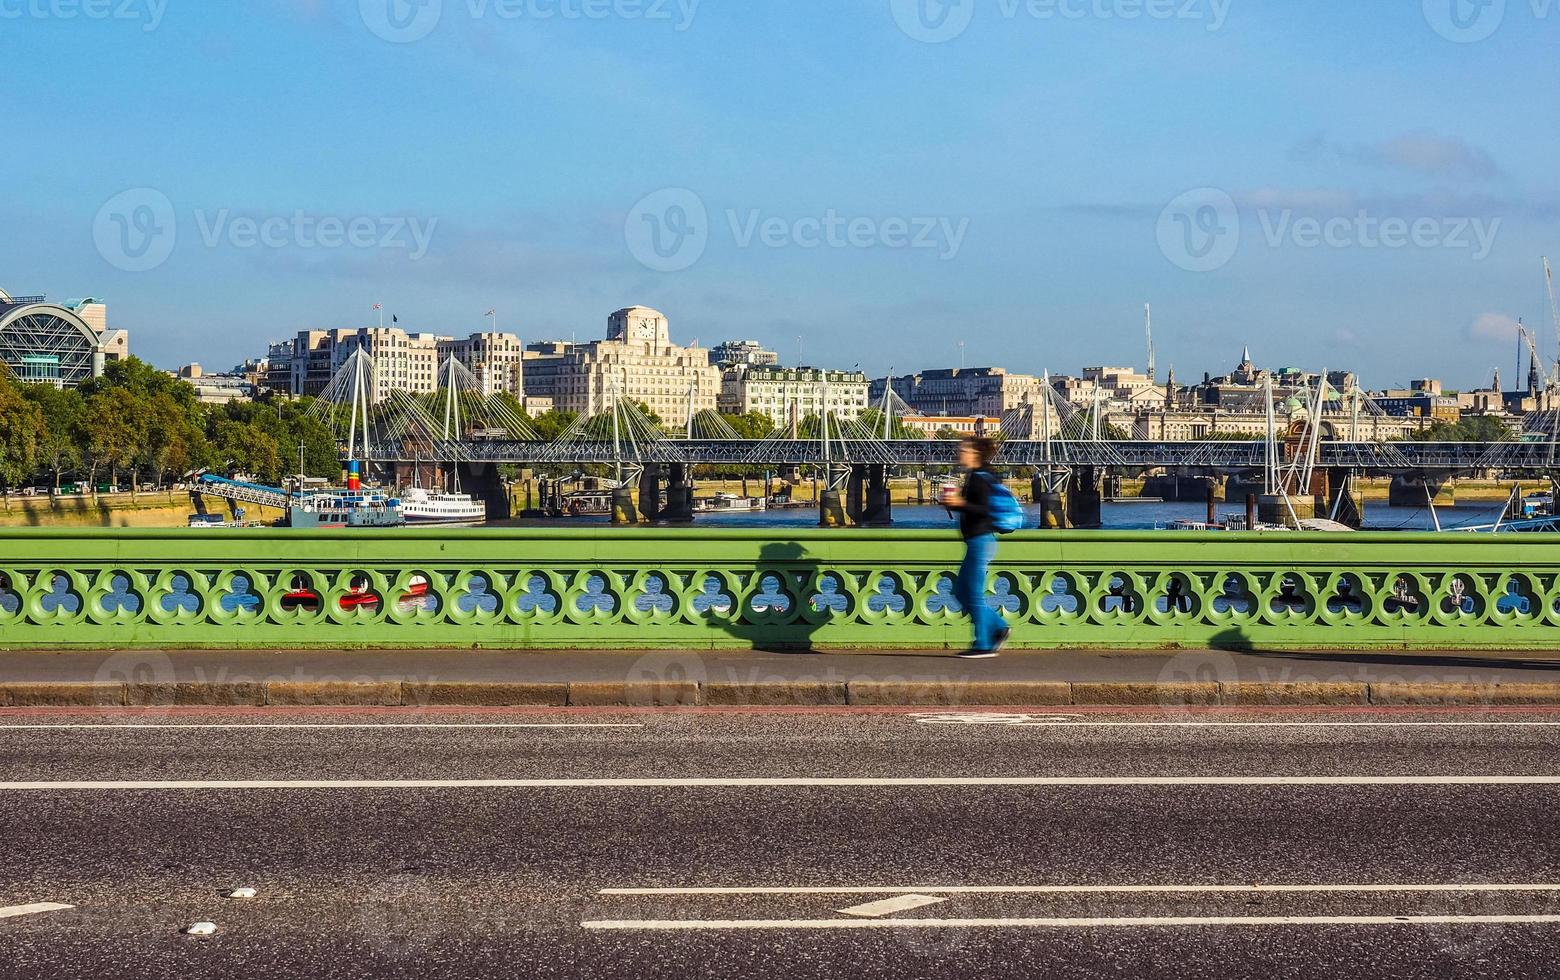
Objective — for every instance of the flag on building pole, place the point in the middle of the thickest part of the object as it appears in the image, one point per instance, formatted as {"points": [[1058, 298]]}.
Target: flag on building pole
{"points": [[380, 307]]}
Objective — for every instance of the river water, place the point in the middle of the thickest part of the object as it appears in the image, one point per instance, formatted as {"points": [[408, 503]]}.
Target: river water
{"points": [[1117, 517]]}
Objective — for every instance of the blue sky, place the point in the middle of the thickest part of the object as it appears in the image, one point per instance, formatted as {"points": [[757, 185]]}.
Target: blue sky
{"points": [[1011, 174]]}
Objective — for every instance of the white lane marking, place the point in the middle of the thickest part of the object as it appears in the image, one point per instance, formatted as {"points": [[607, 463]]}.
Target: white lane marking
{"points": [[1086, 889], [1287, 724], [777, 783], [1080, 721], [111, 727], [16, 910], [669, 925], [888, 906]]}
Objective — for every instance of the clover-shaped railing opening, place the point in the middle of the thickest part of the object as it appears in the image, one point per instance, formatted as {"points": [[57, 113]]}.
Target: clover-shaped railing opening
{"points": [[478, 594], [10, 597], [831, 596], [1004, 597], [1405, 597], [888, 595], [1118, 598], [713, 598], [62, 599], [655, 596], [416, 595], [1518, 598], [1462, 597], [943, 600], [358, 597], [181, 596], [1347, 599], [1291, 597], [240, 597], [1063, 595], [118, 598], [1235, 597], [597, 597], [1177, 596], [770, 597], [301, 595], [537, 597]]}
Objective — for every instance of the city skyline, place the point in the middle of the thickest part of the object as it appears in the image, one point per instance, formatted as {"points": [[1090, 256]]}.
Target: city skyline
{"points": [[1033, 228]]}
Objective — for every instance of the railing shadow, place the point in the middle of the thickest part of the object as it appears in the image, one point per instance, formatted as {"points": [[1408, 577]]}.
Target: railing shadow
{"points": [[1235, 640]]}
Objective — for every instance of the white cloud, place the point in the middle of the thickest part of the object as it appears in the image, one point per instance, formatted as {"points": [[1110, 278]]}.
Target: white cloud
{"points": [[1494, 327], [1421, 151]]}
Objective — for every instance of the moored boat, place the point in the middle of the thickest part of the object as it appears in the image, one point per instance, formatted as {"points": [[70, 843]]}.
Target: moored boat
{"points": [[423, 507]]}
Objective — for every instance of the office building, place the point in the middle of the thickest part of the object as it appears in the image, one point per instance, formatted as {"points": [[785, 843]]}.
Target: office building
{"points": [[637, 361]]}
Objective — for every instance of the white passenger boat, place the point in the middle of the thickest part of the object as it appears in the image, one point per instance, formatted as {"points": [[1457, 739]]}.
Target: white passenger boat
{"points": [[424, 507]]}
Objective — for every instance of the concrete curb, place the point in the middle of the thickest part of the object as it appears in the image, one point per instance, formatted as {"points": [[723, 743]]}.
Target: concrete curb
{"points": [[940, 694]]}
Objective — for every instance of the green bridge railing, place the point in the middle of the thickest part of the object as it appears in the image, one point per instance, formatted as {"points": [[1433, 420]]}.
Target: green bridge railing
{"points": [[703, 589]]}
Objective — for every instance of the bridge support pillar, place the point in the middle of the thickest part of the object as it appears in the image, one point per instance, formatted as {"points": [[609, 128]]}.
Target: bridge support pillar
{"points": [[831, 506], [879, 511], [1083, 499], [1275, 508], [679, 496], [855, 494], [482, 481], [1419, 489], [650, 492], [1053, 509], [623, 511]]}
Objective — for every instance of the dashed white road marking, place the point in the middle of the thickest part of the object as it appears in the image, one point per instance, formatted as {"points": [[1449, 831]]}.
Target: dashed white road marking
{"points": [[846, 782], [13, 911], [888, 906], [1089, 889], [1154, 922], [111, 727]]}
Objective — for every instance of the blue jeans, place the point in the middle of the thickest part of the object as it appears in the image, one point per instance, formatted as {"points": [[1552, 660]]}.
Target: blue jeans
{"points": [[970, 590]]}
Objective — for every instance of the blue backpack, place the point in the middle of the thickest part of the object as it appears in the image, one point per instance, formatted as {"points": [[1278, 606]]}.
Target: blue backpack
{"points": [[1007, 515]]}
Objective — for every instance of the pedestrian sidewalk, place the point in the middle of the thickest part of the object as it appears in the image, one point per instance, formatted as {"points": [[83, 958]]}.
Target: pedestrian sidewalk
{"points": [[499, 678]]}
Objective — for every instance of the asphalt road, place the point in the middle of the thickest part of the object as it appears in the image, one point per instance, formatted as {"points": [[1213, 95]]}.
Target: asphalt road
{"points": [[806, 843]]}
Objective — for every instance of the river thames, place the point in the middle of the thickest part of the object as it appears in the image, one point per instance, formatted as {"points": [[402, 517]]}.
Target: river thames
{"points": [[1117, 517]]}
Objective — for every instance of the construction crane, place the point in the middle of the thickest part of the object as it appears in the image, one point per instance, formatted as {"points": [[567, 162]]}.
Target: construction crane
{"points": [[1554, 310], [1148, 328]]}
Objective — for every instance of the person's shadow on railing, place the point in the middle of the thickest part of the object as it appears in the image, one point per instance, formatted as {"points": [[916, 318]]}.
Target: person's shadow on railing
{"points": [[778, 617]]}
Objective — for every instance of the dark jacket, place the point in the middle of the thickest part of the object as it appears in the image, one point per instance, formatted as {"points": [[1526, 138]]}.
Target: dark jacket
{"points": [[975, 515]]}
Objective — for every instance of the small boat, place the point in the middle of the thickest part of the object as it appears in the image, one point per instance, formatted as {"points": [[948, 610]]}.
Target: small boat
{"points": [[1234, 522], [210, 521], [585, 503], [731, 503], [422, 507], [300, 596], [1538, 505]]}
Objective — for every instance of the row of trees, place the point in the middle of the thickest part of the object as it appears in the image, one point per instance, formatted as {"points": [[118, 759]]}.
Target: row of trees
{"points": [[136, 424]]}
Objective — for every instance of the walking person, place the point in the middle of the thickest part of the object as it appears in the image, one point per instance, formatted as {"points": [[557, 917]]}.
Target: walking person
{"points": [[984, 507]]}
